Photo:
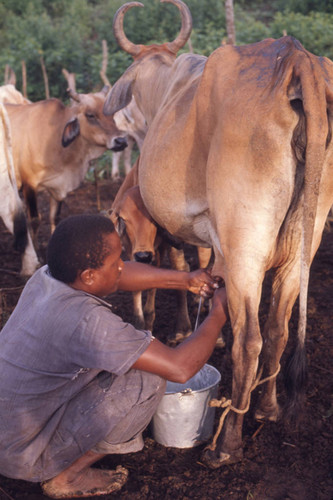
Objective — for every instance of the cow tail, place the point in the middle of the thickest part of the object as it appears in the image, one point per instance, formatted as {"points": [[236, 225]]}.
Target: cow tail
{"points": [[20, 228], [314, 105]]}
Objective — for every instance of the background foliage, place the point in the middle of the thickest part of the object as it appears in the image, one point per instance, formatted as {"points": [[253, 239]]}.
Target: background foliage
{"points": [[69, 34]]}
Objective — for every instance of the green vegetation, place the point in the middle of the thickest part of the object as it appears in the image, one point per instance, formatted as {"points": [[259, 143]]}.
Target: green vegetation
{"points": [[69, 34]]}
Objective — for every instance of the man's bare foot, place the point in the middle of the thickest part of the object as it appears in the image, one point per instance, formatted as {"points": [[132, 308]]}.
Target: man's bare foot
{"points": [[90, 482], [79, 480]]}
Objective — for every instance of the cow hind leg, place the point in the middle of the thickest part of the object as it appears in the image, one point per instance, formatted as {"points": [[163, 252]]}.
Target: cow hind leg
{"points": [[275, 334], [229, 446], [243, 303]]}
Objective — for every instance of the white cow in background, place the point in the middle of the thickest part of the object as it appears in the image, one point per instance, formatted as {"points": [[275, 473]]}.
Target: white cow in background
{"points": [[9, 94], [11, 207]]}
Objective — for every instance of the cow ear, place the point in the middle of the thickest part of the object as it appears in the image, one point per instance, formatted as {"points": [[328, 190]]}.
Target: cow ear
{"points": [[119, 223], [121, 226], [111, 213], [121, 93], [118, 98], [71, 132]]}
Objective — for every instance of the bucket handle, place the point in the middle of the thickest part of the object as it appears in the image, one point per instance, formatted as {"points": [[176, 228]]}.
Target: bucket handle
{"points": [[186, 392]]}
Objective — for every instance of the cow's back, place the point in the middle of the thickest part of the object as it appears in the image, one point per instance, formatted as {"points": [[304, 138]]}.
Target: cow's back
{"points": [[239, 125]]}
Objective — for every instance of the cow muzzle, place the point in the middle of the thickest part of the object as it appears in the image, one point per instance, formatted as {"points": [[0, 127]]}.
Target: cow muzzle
{"points": [[119, 144], [144, 257]]}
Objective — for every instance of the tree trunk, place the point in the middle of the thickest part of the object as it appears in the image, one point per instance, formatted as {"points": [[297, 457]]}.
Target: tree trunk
{"points": [[105, 64], [24, 80], [46, 80], [229, 15]]}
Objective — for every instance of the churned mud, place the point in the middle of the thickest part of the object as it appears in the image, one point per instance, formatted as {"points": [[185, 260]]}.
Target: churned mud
{"points": [[279, 463]]}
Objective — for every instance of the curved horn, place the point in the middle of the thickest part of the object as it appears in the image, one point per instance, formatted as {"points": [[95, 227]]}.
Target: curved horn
{"points": [[73, 95], [132, 48], [186, 28], [118, 29]]}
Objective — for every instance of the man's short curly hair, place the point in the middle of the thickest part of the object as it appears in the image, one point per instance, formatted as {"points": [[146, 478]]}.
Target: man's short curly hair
{"points": [[78, 243]]}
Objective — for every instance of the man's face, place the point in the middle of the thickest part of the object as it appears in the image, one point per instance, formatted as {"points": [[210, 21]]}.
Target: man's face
{"points": [[106, 277]]}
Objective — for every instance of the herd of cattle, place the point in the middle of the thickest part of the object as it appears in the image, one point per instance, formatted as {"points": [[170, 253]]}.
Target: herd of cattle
{"points": [[236, 157]]}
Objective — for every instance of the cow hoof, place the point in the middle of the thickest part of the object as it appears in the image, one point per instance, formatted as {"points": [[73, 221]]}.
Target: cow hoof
{"points": [[220, 343], [272, 414], [180, 336], [215, 460], [139, 324], [117, 178], [27, 271]]}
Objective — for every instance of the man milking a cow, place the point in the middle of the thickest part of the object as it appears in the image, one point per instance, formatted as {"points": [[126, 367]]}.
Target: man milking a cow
{"points": [[76, 381]]}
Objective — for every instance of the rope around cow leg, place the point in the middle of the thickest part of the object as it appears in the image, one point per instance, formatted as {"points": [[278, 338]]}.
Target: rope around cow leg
{"points": [[226, 403]]}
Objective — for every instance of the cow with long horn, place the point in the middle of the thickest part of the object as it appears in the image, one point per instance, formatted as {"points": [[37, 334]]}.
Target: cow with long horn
{"points": [[239, 156]]}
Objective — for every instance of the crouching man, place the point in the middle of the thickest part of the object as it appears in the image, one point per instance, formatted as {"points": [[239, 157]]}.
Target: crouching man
{"points": [[76, 381]]}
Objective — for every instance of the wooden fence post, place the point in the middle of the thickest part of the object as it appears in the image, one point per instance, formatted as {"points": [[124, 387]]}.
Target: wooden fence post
{"points": [[46, 80], [24, 79]]}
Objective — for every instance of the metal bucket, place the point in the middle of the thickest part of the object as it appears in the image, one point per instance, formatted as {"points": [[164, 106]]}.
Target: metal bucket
{"points": [[183, 418]]}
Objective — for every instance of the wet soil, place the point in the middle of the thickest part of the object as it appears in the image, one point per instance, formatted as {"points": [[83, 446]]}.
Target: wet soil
{"points": [[280, 462]]}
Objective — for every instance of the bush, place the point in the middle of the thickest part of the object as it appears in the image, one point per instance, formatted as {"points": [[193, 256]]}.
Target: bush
{"points": [[69, 34], [314, 31]]}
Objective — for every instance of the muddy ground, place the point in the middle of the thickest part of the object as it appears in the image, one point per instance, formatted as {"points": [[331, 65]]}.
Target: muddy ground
{"points": [[279, 463]]}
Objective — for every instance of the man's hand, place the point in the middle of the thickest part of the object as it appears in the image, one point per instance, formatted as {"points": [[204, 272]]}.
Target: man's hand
{"points": [[201, 282]]}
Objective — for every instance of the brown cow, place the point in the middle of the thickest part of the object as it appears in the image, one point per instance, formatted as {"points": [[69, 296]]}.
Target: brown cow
{"points": [[239, 156], [143, 241], [54, 144]]}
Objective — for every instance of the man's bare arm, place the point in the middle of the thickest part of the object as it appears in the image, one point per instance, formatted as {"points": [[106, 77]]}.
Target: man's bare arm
{"points": [[182, 362], [136, 276]]}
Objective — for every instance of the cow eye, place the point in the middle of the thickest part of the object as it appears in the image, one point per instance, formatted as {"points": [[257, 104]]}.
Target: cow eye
{"points": [[91, 117], [121, 226]]}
